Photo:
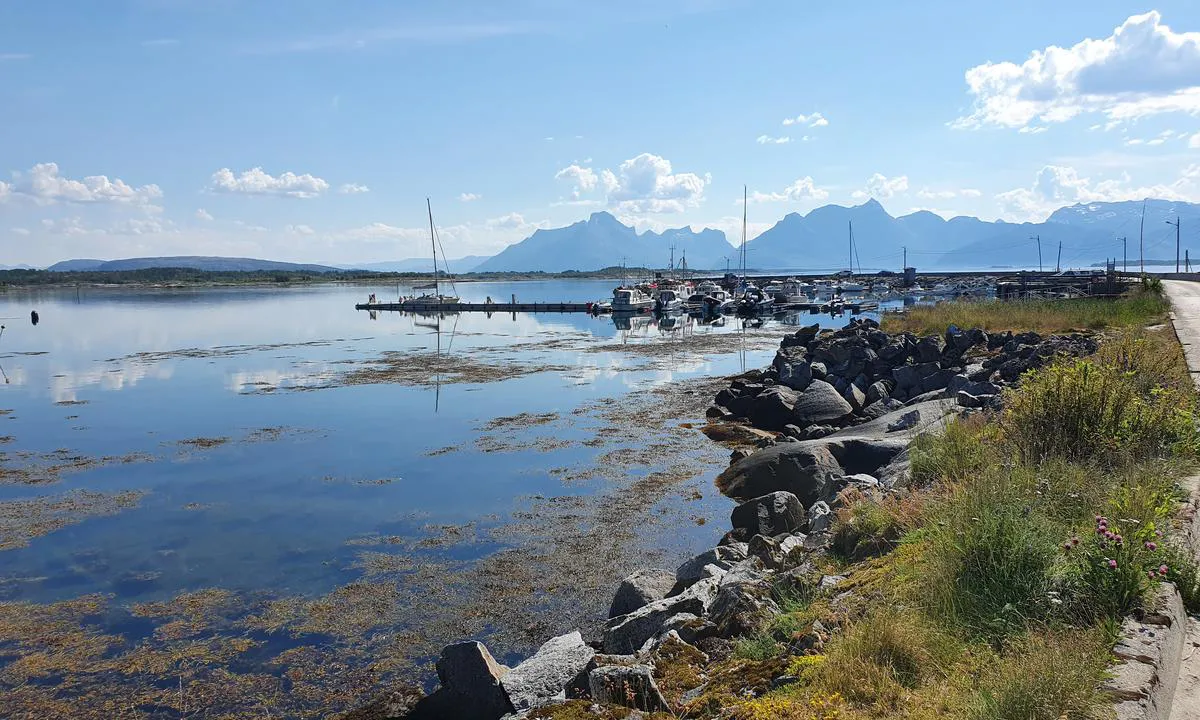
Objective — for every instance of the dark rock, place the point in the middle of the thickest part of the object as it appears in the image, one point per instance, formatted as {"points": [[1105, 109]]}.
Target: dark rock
{"points": [[737, 456], [793, 368], [967, 400], [726, 397], [928, 349], [925, 397], [718, 412], [794, 431], [819, 403], [937, 381], [878, 391], [545, 676], [814, 432], [881, 407], [981, 374], [471, 676], [998, 340], [958, 339], [897, 472], [773, 408], [806, 334], [632, 686], [741, 608], [905, 422], [908, 376], [690, 628], [772, 514], [641, 588], [856, 397], [818, 370], [839, 383], [404, 702], [803, 469]]}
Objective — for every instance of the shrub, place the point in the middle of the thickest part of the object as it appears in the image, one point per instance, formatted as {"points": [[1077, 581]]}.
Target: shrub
{"points": [[959, 452], [1088, 412], [1046, 678], [991, 562], [758, 647], [864, 527]]}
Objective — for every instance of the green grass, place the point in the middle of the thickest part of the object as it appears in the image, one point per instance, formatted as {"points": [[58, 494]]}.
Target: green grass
{"points": [[1139, 307]]}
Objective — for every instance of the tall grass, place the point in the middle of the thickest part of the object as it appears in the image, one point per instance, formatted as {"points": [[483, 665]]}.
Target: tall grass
{"points": [[1044, 316], [1046, 677], [882, 656]]}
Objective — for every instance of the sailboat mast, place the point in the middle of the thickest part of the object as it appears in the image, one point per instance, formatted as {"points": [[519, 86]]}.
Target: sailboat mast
{"points": [[744, 199], [433, 244], [851, 246], [1142, 239]]}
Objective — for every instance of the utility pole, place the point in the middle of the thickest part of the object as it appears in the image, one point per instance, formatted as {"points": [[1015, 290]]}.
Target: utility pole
{"points": [[1142, 240], [1039, 242], [1124, 255], [905, 264], [1176, 224], [1058, 263], [1187, 262]]}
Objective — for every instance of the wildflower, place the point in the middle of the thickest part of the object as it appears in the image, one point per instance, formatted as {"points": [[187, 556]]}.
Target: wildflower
{"points": [[1118, 539], [1112, 564], [1162, 569], [1074, 541], [1067, 546], [1151, 574], [1151, 545]]}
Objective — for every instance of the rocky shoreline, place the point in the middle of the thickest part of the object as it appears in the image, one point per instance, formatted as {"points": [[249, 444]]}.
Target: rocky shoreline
{"points": [[832, 418]]}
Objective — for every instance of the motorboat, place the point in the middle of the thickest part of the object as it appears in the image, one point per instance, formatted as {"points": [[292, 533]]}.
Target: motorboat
{"points": [[631, 300], [711, 301], [668, 301], [754, 301], [791, 291]]}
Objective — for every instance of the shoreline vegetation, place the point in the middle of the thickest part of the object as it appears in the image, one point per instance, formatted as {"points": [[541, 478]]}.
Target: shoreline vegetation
{"points": [[983, 572]]}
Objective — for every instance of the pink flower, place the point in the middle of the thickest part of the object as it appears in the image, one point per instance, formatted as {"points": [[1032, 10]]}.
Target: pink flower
{"points": [[1066, 547], [1162, 569], [1151, 545], [1074, 541], [1112, 564], [1151, 574]]}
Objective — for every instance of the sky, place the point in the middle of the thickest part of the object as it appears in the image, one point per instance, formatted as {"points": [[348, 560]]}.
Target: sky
{"points": [[314, 130]]}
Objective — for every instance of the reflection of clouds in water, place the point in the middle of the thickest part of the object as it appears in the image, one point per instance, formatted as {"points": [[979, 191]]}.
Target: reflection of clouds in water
{"points": [[14, 375], [248, 381], [64, 384]]}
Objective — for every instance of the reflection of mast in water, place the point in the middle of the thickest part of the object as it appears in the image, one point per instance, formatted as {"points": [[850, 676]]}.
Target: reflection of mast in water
{"points": [[437, 372]]}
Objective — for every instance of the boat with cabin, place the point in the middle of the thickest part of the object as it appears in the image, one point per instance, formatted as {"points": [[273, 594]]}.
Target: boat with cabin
{"points": [[435, 299], [631, 300]]}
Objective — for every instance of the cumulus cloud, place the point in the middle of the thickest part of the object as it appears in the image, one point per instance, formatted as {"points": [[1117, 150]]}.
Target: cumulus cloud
{"points": [[814, 120], [768, 140], [799, 191], [202, 214], [513, 222], [1143, 68], [257, 182], [648, 183], [1056, 186], [583, 179], [643, 184], [470, 197], [353, 189], [46, 186], [881, 187], [298, 230]]}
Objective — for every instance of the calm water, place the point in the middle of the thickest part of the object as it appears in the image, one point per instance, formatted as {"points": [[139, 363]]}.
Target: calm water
{"points": [[304, 459]]}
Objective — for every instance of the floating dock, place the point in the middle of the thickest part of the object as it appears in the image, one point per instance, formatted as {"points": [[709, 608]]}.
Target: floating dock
{"points": [[541, 307]]}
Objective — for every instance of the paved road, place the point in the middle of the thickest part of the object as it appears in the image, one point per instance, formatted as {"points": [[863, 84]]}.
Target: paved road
{"points": [[1185, 302], [1185, 305]]}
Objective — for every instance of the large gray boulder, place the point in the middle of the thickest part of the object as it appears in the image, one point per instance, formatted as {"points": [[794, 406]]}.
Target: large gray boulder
{"points": [[803, 469], [545, 676], [630, 686], [627, 634], [471, 677], [640, 588], [773, 514], [820, 403], [693, 569]]}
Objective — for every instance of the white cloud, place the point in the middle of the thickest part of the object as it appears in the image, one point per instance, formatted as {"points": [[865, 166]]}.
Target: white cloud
{"points": [[250, 226], [1194, 141], [1033, 129], [927, 194], [1056, 186], [469, 197], [19, 231], [353, 189], [582, 178], [202, 214], [45, 186], [799, 191], [298, 230], [1143, 68], [648, 184], [257, 182], [768, 140], [814, 120], [5, 191], [881, 187], [513, 222]]}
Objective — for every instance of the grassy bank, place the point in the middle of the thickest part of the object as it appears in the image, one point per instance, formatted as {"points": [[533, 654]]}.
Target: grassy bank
{"points": [[993, 585], [1044, 316]]}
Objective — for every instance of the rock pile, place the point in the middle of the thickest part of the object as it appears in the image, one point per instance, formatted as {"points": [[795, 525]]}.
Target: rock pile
{"points": [[822, 381]]}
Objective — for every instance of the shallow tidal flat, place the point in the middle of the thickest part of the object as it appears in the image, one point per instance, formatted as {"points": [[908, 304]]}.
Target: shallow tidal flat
{"points": [[264, 503]]}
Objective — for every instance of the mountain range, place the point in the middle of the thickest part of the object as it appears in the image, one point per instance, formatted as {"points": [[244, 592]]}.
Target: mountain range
{"points": [[820, 240], [190, 262]]}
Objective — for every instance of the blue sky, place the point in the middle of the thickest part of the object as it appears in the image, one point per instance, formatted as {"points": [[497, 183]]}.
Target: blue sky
{"points": [[313, 130]]}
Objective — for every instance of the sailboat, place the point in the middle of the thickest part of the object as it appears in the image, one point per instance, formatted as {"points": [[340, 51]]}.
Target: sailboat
{"points": [[435, 299], [848, 285], [752, 300]]}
